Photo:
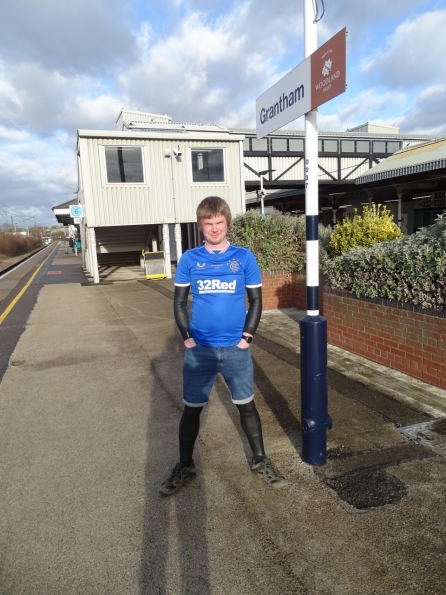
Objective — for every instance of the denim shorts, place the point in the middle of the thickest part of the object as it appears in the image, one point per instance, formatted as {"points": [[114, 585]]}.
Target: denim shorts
{"points": [[203, 363]]}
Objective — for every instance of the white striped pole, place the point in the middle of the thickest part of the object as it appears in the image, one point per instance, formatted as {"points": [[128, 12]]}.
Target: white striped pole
{"points": [[313, 328]]}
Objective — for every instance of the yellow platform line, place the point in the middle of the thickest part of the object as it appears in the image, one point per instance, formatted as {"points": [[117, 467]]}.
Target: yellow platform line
{"points": [[19, 295]]}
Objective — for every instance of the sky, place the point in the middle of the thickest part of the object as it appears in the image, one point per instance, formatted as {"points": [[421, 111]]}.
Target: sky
{"points": [[67, 65]]}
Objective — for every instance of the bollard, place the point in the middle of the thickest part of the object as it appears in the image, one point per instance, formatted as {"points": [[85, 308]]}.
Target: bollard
{"points": [[314, 398]]}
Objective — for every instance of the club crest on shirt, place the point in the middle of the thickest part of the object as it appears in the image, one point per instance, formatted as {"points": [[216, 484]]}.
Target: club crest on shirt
{"points": [[234, 265], [201, 265]]}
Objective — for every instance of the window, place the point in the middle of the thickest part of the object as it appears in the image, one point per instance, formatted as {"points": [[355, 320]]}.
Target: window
{"points": [[279, 144], [124, 165], [352, 146], [348, 146], [379, 146], [393, 146], [208, 165], [296, 145], [260, 145], [330, 146], [246, 144], [362, 146]]}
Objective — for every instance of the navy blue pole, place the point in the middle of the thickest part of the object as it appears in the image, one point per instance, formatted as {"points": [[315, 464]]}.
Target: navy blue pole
{"points": [[314, 398]]}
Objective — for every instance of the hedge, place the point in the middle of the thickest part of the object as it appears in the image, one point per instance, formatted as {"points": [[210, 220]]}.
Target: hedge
{"points": [[411, 269], [277, 240]]}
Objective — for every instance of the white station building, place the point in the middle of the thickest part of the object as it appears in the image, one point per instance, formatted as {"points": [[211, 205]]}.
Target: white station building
{"points": [[139, 186]]}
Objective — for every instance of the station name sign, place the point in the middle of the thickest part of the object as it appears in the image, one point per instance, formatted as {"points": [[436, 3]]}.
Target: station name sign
{"points": [[313, 82]]}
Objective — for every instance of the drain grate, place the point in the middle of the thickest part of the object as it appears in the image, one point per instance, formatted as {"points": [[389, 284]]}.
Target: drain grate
{"points": [[431, 434]]}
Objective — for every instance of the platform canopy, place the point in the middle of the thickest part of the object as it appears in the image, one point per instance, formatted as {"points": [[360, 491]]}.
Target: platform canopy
{"points": [[62, 212]]}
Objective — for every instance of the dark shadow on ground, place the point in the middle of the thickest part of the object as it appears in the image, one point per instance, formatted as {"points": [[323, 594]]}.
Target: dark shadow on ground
{"points": [[225, 398], [273, 398], [278, 403], [174, 527]]}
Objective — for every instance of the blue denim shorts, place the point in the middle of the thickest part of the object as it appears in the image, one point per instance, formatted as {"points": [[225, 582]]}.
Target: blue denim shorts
{"points": [[203, 363]]}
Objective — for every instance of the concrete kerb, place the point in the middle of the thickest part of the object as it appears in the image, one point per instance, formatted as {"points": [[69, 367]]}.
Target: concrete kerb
{"points": [[283, 327]]}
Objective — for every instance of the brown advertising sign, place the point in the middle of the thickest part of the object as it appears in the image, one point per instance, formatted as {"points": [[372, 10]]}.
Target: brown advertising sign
{"points": [[328, 70]]}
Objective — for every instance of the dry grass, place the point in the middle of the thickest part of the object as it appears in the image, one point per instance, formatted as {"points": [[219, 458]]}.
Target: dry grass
{"points": [[13, 245]]}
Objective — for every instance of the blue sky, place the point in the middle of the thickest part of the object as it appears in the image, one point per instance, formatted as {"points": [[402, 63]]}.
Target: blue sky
{"points": [[67, 65]]}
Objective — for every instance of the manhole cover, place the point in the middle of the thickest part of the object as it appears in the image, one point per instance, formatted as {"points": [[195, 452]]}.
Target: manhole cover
{"points": [[431, 434], [368, 488]]}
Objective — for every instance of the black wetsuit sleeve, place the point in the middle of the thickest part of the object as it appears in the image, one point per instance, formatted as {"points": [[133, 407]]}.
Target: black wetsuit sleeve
{"points": [[180, 310], [254, 310]]}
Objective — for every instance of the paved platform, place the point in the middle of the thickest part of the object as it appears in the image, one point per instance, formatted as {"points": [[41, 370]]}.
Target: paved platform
{"points": [[89, 411]]}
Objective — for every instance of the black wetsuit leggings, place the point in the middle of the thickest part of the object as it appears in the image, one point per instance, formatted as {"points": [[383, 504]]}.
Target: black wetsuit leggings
{"points": [[250, 420]]}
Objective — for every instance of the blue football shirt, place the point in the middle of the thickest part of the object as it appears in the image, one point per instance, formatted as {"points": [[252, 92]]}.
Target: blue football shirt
{"points": [[218, 283]]}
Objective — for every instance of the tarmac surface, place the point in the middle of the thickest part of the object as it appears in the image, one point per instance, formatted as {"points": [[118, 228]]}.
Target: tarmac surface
{"points": [[89, 412]]}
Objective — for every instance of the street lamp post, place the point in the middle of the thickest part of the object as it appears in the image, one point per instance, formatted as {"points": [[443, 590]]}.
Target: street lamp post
{"points": [[334, 204], [262, 193]]}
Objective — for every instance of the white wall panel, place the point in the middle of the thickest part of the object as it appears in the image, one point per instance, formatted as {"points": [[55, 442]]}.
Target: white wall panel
{"points": [[348, 164], [257, 164], [282, 164], [168, 193], [330, 164]]}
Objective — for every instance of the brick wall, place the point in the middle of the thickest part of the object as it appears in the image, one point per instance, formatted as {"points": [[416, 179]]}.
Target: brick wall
{"points": [[287, 290], [277, 290], [396, 335]]}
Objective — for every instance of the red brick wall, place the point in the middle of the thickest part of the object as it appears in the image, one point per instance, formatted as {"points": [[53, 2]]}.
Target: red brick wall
{"points": [[277, 290], [396, 335], [286, 290]]}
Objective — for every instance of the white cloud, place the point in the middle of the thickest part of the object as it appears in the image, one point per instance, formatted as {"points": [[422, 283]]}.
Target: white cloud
{"points": [[204, 71], [427, 116], [414, 55], [65, 66], [81, 36], [9, 134], [369, 105], [34, 175], [41, 100]]}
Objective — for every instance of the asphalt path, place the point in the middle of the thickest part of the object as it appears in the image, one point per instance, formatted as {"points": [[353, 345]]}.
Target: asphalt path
{"points": [[19, 290], [88, 431]]}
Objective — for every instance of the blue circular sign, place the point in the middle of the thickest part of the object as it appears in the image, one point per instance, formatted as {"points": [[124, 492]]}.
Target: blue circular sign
{"points": [[76, 211]]}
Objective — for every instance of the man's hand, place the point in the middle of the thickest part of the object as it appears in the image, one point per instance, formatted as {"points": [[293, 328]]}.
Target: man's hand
{"points": [[189, 343], [242, 344]]}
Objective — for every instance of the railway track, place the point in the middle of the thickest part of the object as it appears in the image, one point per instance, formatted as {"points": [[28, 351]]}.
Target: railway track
{"points": [[10, 264]]}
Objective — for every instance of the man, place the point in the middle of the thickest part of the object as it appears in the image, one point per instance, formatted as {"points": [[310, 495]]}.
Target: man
{"points": [[217, 338]]}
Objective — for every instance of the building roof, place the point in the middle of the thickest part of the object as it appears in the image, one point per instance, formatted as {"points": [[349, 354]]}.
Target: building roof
{"points": [[66, 205], [412, 160], [252, 197], [62, 212], [165, 131], [345, 135], [374, 128]]}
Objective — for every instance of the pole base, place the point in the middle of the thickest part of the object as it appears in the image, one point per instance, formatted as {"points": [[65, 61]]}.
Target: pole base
{"points": [[314, 395]]}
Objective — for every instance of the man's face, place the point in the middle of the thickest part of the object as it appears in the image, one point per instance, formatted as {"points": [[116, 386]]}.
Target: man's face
{"points": [[214, 230]]}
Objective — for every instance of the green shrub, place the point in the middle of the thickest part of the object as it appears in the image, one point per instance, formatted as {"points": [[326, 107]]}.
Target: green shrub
{"points": [[373, 226], [277, 240], [411, 269]]}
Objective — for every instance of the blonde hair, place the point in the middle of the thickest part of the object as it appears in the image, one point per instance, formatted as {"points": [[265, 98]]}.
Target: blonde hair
{"points": [[211, 207]]}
